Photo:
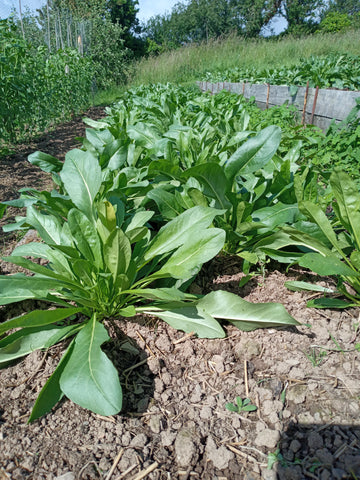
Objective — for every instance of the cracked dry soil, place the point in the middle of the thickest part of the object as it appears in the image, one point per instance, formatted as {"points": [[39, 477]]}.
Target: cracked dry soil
{"points": [[174, 424]]}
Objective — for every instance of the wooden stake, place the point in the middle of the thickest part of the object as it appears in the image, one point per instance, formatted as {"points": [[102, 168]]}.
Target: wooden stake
{"points": [[305, 102], [267, 96], [314, 105]]}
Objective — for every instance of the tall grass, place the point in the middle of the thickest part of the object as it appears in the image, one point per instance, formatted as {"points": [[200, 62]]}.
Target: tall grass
{"points": [[188, 63]]}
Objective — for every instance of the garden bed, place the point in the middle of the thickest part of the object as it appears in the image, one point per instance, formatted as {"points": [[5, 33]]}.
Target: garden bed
{"points": [[174, 424]]}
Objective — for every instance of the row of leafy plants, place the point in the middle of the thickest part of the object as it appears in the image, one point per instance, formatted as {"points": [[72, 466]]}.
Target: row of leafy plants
{"points": [[168, 180], [38, 88], [330, 71]]}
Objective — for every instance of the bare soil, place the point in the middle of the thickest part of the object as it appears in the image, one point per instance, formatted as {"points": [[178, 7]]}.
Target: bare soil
{"points": [[175, 424]]}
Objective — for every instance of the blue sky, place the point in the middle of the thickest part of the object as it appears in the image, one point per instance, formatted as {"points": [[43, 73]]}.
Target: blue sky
{"points": [[147, 8]]}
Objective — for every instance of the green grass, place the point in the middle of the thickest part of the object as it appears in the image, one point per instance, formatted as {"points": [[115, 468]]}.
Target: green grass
{"points": [[189, 63]]}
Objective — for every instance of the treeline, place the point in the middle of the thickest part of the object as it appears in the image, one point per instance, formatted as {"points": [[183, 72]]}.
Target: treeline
{"points": [[201, 20], [53, 60]]}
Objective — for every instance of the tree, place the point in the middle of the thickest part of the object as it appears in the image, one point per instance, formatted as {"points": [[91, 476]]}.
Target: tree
{"points": [[302, 15]]}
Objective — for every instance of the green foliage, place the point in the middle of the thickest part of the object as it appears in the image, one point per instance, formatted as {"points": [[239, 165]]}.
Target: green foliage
{"points": [[37, 89], [192, 61], [329, 246], [241, 405], [339, 71], [108, 255], [334, 22]]}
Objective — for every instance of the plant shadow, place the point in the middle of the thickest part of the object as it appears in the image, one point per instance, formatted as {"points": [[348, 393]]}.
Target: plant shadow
{"points": [[318, 451]]}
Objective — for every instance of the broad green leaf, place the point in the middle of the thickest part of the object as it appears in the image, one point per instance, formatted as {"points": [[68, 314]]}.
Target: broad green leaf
{"points": [[355, 259], [37, 318], [211, 176], [85, 236], [328, 265], [316, 215], [47, 226], [166, 202], [347, 206], [245, 315], [276, 215], [190, 319], [41, 270], [46, 162], [32, 249], [51, 392], [117, 253], [143, 134], [181, 230], [27, 340], [297, 286], [187, 259], [81, 175], [95, 123], [253, 154], [159, 294], [15, 288], [89, 378], [330, 303]]}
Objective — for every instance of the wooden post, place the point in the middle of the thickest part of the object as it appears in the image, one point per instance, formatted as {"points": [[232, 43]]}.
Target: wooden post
{"points": [[305, 102], [314, 105], [267, 96]]}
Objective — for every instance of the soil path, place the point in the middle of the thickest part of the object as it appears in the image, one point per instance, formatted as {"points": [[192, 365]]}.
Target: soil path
{"points": [[175, 424]]}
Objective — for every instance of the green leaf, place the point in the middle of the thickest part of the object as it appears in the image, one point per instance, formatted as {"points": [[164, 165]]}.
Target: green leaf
{"points": [[253, 154], [330, 303], [316, 215], [117, 253], [81, 175], [181, 230], [46, 162], [275, 215], [85, 236], [326, 265], [245, 315], [32, 249], [211, 176], [47, 226], [347, 207], [15, 288], [166, 203], [89, 378], [190, 319], [51, 392], [296, 286], [187, 259], [27, 340], [38, 318]]}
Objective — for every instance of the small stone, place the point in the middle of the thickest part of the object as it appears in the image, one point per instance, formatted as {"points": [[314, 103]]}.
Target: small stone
{"points": [[295, 446], [184, 448], [315, 441], [154, 423], [139, 441], [167, 438], [66, 476], [267, 438], [296, 394], [206, 413], [325, 457], [220, 457]]}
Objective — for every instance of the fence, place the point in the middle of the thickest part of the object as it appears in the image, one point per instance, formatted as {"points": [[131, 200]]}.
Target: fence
{"points": [[318, 106]]}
